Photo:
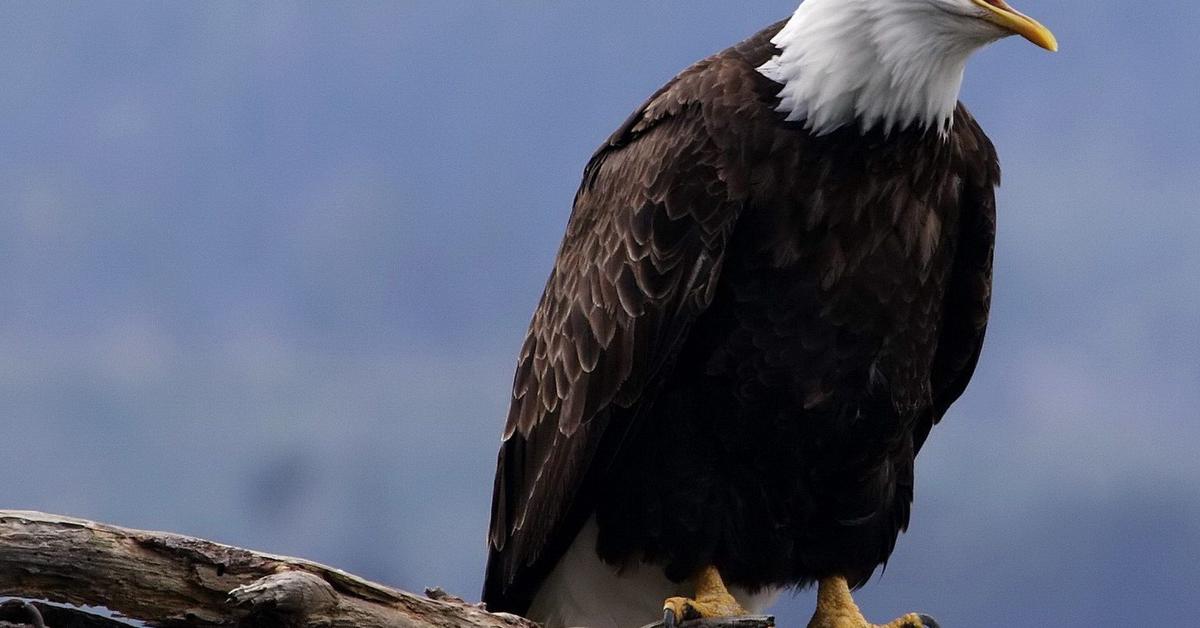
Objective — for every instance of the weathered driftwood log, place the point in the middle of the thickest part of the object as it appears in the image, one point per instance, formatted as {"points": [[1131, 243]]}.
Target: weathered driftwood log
{"points": [[173, 580], [164, 579]]}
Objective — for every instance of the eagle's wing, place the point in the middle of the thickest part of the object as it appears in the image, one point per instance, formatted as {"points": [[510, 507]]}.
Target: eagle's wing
{"points": [[969, 290], [639, 262]]}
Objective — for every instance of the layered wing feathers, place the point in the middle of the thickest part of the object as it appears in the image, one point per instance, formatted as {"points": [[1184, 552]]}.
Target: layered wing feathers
{"points": [[639, 262]]}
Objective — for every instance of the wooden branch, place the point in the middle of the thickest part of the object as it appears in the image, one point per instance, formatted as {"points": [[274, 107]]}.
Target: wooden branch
{"points": [[173, 580], [169, 580]]}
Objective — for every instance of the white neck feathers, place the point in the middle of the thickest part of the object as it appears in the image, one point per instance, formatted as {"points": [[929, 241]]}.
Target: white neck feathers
{"points": [[893, 63]]}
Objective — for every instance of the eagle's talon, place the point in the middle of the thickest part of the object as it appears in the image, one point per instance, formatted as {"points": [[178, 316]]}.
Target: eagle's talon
{"points": [[711, 599], [836, 609], [679, 609], [911, 620], [927, 621]]}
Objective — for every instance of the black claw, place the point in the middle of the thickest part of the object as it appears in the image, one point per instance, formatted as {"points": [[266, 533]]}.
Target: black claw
{"points": [[928, 622], [34, 615], [669, 618]]}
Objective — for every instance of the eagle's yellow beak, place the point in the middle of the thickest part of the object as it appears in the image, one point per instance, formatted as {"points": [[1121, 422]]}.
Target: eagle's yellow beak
{"points": [[1008, 18]]}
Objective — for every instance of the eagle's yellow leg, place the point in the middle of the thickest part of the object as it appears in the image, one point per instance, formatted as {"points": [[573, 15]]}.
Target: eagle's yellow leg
{"points": [[711, 599], [836, 609]]}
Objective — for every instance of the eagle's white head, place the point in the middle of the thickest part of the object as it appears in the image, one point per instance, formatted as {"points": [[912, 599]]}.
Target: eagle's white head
{"points": [[893, 63]]}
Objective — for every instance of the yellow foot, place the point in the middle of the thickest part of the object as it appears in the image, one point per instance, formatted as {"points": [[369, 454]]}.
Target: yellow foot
{"points": [[712, 600], [836, 609]]}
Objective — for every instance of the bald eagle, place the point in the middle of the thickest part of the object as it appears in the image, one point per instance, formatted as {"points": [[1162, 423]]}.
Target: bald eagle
{"points": [[774, 282]]}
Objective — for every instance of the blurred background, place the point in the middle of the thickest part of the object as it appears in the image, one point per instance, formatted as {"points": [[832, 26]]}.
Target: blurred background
{"points": [[264, 269]]}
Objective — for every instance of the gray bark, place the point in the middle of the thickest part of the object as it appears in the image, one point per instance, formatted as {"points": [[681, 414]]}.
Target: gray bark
{"points": [[172, 580]]}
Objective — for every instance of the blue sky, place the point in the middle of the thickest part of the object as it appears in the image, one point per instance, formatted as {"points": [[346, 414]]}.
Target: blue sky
{"points": [[264, 269]]}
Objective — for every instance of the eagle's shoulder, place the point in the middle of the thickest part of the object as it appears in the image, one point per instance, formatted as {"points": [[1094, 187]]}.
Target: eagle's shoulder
{"points": [[720, 103], [727, 83]]}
